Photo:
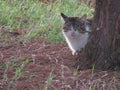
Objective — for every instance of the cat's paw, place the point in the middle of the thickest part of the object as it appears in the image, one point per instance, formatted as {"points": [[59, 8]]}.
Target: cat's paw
{"points": [[75, 53]]}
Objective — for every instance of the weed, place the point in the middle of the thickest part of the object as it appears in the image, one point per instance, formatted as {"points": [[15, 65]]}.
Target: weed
{"points": [[76, 71], [49, 81], [13, 65]]}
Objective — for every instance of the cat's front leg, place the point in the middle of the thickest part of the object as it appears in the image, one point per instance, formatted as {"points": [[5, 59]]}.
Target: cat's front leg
{"points": [[77, 52]]}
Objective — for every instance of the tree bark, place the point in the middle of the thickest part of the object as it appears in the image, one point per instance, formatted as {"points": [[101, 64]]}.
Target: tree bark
{"points": [[103, 48]]}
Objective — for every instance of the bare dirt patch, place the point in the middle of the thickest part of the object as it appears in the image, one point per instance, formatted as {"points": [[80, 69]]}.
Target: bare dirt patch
{"points": [[41, 62]]}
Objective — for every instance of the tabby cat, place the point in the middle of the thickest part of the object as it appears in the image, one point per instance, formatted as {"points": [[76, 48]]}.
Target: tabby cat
{"points": [[76, 31]]}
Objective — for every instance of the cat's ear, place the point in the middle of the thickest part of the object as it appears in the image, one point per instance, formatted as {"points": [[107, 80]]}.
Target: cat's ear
{"points": [[64, 17], [84, 17]]}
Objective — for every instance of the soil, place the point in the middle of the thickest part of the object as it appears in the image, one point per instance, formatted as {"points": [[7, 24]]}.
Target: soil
{"points": [[41, 65]]}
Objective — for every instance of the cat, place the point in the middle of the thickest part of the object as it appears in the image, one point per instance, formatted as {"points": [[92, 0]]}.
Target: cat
{"points": [[76, 32]]}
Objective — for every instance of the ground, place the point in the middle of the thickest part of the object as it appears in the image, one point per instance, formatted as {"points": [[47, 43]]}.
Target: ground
{"points": [[47, 66]]}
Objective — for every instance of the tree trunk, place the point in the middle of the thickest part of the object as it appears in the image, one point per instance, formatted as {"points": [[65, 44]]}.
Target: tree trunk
{"points": [[105, 40], [103, 50]]}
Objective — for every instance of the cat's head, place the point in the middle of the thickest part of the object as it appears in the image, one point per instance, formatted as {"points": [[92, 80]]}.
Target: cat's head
{"points": [[74, 26]]}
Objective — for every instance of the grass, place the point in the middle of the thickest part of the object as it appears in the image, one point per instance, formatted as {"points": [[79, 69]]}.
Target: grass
{"points": [[34, 19], [40, 19], [49, 81], [17, 67]]}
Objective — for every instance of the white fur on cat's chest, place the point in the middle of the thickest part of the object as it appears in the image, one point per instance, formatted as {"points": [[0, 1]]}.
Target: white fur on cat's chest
{"points": [[76, 44]]}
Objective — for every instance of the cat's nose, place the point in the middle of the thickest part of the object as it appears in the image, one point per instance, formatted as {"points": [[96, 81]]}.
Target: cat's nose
{"points": [[73, 33]]}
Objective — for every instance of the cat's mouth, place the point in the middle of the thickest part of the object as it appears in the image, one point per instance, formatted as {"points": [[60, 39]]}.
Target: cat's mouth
{"points": [[73, 34]]}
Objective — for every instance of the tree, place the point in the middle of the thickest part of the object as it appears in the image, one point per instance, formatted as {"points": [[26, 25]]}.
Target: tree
{"points": [[103, 50]]}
